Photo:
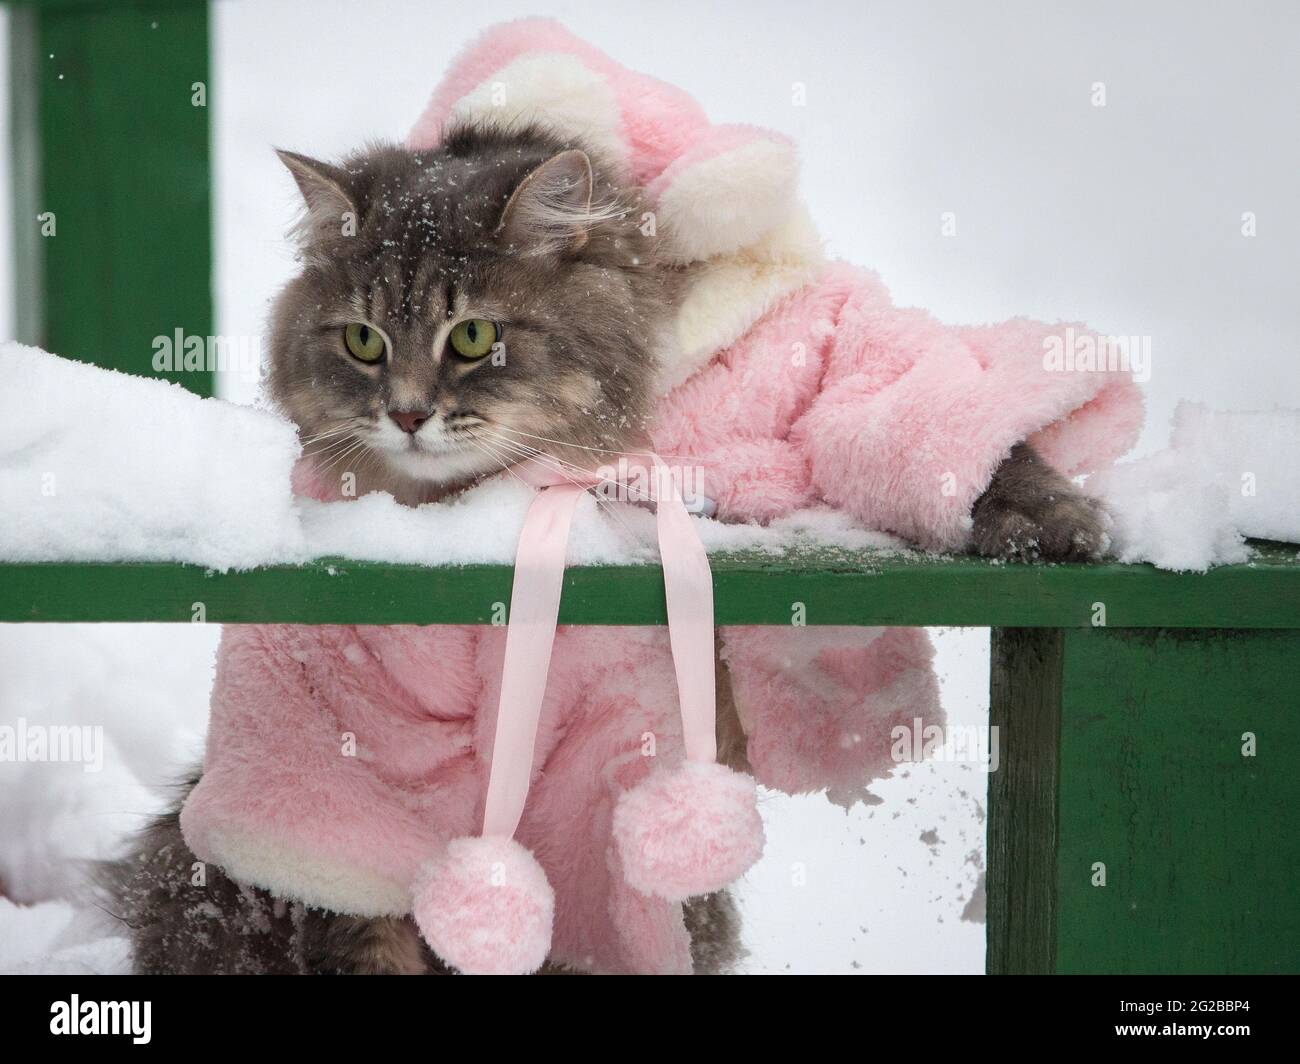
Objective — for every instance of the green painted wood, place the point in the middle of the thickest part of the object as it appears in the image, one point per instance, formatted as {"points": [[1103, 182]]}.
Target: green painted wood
{"points": [[834, 587], [1198, 841], [1123, 748], [1025, 707], [108, 139]]}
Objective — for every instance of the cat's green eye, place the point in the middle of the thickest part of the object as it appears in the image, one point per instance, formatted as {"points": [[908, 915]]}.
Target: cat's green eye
{"points": [[474, 338], [364, 343]]}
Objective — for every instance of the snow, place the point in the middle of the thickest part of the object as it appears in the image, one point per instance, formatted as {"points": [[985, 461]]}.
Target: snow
{"points": [[1223, 476], [101, 465], [105, 466], [146, 687], [1254, 456], [482, 525], [58, 938]]}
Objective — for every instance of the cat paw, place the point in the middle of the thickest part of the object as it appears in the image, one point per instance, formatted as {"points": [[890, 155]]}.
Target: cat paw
{"points": [[1064, 525]]}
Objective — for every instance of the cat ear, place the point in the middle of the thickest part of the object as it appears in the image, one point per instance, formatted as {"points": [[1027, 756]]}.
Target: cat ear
{"points": [[550, 211], [331, 208]]}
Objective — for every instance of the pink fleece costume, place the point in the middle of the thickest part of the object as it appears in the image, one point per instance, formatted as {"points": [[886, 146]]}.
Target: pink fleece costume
{"points": [[343, 762]]}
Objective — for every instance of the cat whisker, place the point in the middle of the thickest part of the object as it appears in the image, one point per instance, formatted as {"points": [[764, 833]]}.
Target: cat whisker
{"points": [[340, 428], [323, 453], [506, 467], [357, 445], [554, 461], [558, 465], [307, 440], [583, 447], [327, 447]]}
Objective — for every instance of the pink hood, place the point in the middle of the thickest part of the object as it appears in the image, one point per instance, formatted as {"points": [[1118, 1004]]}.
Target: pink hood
{"points": [[797, 379]]}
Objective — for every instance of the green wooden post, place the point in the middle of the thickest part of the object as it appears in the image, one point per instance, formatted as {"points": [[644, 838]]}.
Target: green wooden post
{"points": [[1142, 818], [111, 172], [1025, 708]]}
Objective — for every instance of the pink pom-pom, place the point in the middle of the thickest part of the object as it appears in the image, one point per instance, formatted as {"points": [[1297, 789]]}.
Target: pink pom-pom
{"points": [[688, 831], [485, 907]]}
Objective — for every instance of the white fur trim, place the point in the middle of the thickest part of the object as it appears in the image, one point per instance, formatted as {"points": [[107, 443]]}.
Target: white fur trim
{"points": [[555, 90], [352, 888], [725, 203], [734, 291]]}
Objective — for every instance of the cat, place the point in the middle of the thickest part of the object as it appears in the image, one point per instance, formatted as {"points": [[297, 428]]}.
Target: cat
{"points": [[572, 348], [457, 308]]}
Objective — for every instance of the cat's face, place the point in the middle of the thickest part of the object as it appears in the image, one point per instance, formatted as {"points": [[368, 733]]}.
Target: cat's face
{"points": [[461, 308]]}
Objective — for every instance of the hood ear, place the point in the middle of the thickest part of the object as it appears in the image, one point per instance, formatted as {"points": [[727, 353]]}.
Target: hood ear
{"points": [[550, 211], [331, 206]]}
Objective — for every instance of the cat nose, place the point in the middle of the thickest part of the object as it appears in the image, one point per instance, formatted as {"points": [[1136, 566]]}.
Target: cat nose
{"points": [[408, 420]]}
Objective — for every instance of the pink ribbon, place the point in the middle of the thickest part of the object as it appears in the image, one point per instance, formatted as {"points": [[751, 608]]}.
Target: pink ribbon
{"points": [[535, 609]]}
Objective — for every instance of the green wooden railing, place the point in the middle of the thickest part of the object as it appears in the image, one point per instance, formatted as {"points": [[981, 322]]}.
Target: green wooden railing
{"points": [[833, 587], [112, 187], [1140, 820]]}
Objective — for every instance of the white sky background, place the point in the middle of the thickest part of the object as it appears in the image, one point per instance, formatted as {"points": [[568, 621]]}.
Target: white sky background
{"points": [[1126, 216]]}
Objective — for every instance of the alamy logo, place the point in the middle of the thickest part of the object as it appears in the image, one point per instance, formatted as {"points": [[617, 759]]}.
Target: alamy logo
{"points": [[966, 744], [184, 352], [102, 1017], [1086, 353], [638, 483], [81, 744]]}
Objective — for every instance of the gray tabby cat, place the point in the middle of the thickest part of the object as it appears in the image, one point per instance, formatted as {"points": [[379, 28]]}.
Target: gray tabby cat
{"points": [[493, 241]]}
